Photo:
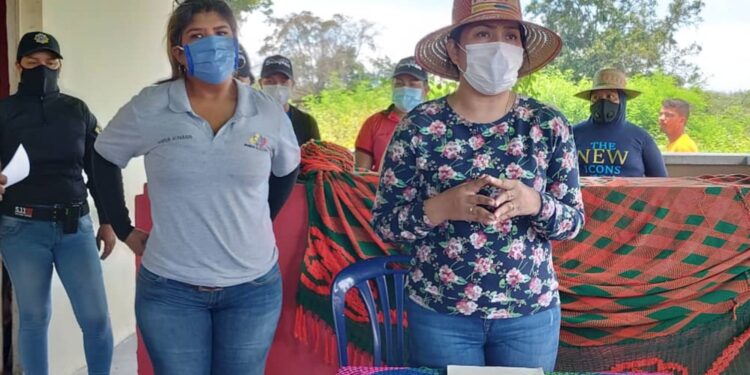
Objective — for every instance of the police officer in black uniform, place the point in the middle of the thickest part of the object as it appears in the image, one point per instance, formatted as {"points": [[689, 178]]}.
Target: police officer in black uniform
{"points": [[45, 218]]}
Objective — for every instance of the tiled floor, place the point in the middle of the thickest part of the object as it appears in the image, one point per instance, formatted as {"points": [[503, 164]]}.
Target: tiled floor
{"points": [[124, 361]]}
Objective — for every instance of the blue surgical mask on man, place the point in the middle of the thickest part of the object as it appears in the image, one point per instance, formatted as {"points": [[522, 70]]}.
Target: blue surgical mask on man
{"points": [[212, 59], [407, 98]]}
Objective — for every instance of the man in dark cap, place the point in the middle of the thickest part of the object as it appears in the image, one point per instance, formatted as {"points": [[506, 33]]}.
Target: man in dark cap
{"points": [[277, 80], [410, 88]]}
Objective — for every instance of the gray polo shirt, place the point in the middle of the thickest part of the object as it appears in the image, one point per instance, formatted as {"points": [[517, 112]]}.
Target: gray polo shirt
{"points": [[209, 193]]}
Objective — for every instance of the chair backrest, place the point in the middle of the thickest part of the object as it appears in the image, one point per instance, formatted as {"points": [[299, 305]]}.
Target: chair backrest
{"points": [[359, 275]]}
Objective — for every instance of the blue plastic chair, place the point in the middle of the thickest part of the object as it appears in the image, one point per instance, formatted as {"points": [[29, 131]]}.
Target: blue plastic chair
{"points": [[359, 275]]}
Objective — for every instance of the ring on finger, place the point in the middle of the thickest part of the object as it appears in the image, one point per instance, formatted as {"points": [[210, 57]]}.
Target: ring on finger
{"points": [[471, 209]]}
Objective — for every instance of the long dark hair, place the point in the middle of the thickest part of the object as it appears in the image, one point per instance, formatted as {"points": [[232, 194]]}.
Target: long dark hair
{"points": [[182, 16]]}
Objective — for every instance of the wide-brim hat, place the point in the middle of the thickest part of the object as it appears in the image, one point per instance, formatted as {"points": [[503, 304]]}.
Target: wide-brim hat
{"points": [[609, 79], [542, 44]]}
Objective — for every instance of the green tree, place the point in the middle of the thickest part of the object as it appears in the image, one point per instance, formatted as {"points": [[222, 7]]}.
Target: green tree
{"points": [[627, 34], [718, 122], [320, 49], [341, 109], [240, 6], [381, 68]]}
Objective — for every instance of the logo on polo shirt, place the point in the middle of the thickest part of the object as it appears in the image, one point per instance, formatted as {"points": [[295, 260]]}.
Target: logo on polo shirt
{"points": [[258, 142]]}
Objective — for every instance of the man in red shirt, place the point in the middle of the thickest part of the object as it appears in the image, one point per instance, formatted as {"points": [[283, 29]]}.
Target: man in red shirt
{"points": [[410, 89]]}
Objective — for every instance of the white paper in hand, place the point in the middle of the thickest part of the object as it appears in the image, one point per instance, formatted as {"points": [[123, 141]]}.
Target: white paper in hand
{"points": [[18, 167], [471, 370]]}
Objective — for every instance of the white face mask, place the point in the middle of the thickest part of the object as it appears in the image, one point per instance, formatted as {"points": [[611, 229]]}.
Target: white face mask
{"points": [[278, 92], [492, 68]]}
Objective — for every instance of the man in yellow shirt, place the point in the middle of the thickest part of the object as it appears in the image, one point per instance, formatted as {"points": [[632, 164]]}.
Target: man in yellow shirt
{"points": [[672, 120]]}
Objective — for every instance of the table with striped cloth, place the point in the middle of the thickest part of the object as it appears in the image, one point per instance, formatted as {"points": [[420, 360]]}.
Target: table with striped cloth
{"points": [[360, 370], [658, 280]]}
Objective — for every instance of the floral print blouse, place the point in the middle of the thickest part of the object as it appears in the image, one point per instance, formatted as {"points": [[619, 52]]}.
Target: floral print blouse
{"points": [[460, 268]]}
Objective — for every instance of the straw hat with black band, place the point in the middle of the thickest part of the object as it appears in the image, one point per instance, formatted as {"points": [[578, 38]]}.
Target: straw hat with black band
{"points": [[542, 44], [609, 79]]}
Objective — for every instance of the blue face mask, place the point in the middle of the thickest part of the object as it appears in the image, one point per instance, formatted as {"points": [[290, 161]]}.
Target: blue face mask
{"points": [[212, 59], [406, 98]]}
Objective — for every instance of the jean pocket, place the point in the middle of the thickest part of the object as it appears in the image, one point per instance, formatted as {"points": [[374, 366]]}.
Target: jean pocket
{"points": [[270, 277], [85, 225], [150, 277], [12, 225], [555, 316]]}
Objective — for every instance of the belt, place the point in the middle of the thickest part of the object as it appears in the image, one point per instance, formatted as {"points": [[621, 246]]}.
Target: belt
{"points": [[56, 212]]}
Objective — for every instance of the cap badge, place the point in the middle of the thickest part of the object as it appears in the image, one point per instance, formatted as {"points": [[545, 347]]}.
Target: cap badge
{"points": [[41, 38]]}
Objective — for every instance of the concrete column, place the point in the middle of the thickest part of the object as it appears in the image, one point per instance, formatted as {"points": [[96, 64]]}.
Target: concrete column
{"points": [[30, 15], [11, 22], [22, 16]]}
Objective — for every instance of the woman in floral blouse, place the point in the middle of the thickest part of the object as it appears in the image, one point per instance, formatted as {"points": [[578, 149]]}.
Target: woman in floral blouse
{"points": [[475, 185]]}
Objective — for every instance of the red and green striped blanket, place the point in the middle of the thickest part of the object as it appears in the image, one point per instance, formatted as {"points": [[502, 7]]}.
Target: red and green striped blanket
{"points": [[658, 261]]}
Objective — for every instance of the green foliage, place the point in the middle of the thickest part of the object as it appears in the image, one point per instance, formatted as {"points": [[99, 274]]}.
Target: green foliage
{"points": [[726, 124], [553, 87], [718, 122], [644, 110], [627, 34], [340, 110], [320, 48], [239, 6], [440, 88]]}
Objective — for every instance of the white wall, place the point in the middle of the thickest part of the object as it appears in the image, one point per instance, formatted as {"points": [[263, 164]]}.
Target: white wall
{"points": [[112, 49]]}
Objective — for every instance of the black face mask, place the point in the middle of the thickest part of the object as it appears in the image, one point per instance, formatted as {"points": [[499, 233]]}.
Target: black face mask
{"points": [[39, 81], [604, 111]]}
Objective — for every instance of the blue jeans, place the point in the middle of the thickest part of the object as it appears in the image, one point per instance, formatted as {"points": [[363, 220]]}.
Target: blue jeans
{"points": [[30, 249], [438, 340], [190, 330]]}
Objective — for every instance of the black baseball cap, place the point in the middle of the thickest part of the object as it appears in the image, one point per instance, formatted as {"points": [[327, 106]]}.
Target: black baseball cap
{"points": [[277, 64], [36, 41], [409, 66]]}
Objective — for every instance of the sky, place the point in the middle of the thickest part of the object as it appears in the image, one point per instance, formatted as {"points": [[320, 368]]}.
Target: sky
{"points": [[401, 23]]}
